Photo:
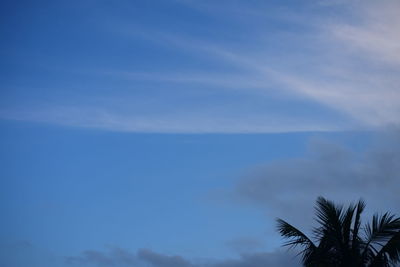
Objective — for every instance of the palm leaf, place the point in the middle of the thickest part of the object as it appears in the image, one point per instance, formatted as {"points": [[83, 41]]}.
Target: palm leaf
{"points": [[339, 240], [329, 218], [382, 233], [390, 252], [296, 238], [346, 220], [356, 227]]}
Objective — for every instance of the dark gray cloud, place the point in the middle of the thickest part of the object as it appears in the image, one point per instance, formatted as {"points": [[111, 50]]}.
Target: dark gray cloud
{"points": [[113, 257], [278, 259], [149, 258], [121, 257], [289, 188], [245, 244], [160, 260]]}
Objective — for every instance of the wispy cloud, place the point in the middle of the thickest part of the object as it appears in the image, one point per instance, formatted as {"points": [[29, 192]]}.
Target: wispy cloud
{"points": [[355, 66], [343, 65], [189, 123], [377, 33]]}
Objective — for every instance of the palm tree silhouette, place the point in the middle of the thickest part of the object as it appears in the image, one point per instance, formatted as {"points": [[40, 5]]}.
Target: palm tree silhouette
{"points": [[339, 240]]}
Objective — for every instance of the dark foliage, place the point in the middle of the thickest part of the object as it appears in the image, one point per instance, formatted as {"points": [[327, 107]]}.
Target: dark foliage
{"points": [[340, 240]]}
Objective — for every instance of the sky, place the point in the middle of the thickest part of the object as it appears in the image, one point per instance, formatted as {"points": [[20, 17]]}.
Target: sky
{"points": [[158, 133]]}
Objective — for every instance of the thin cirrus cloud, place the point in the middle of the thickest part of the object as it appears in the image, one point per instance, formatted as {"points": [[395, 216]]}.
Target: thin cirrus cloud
{"points": [[357, 67], [357, 78], [378, 35], [353, 70], [181, 123], [265, 80]]}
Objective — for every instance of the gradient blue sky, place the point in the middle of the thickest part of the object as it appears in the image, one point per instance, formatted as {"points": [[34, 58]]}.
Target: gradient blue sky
{"points": [[132, 131]]}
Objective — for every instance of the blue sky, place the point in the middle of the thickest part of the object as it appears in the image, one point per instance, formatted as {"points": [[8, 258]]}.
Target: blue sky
{"points": [[173, 132]]}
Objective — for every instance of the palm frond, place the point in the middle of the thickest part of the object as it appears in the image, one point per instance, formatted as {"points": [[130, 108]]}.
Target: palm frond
{"points": [[356, 226], [339, 239], [328, 217], [296, 238], [381, 231], [346, 219], [390, 252], [382, 228]]}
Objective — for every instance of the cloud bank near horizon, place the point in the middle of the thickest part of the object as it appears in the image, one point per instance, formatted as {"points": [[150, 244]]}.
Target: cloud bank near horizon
{"points": [[146, 257], [24, 253]]}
